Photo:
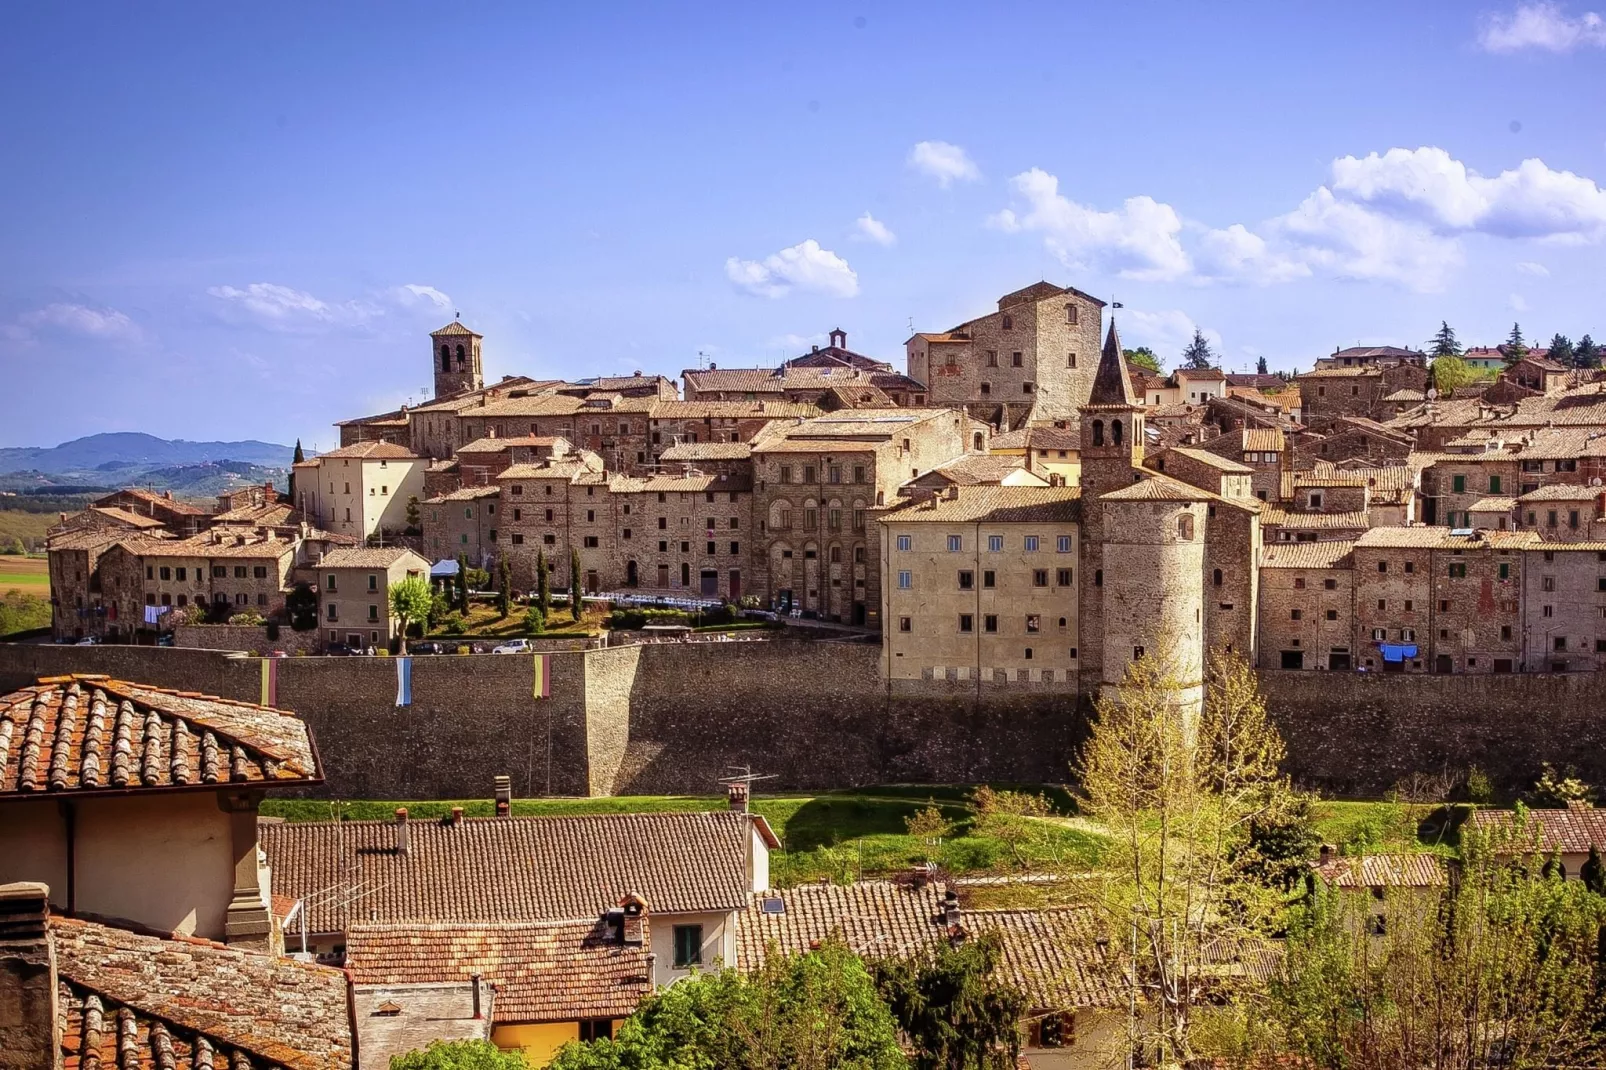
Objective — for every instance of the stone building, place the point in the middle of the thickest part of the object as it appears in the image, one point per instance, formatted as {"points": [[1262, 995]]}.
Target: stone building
{"points": [[354, 593], [982, 587], [462, 523], [830, 377], [1307, 617], [815, 483], [1357, 390], [1563, 596], [360, 490], [1030, 362], [457, 360]]}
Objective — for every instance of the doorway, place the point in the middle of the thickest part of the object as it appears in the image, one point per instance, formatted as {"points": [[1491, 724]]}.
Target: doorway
{"points": [[708, 581]]}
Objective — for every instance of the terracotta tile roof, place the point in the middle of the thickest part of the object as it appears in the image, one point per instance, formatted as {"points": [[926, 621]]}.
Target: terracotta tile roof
{"points": [[1051, 955], [1224, 464], [1334, 554], [130, 999], [84, 539], [976, 469], [1573, 830], [530, 405], [466, 494], [1158, 488], [1356, 372], [994, 505], [1560, 547], [124, 517], [84, 734], [497, 445], [376, 451], [1383, 871], [779, 444], [878, 919], [1437, 538], [1273, 516], [945, 336], [368, 557], [1405, 396], [163, 501], [218, 544], [730, 410], [560, 971], [708, 451], [1564, 443], [455, 328], [1494, 503], [513, 868], [1330, 477], [565, 470], [1562, 492], [1263, 440]]}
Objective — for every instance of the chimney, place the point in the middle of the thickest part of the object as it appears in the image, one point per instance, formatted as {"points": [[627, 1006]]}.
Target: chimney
{"points": [[401, 830], [29, 1033], [168, 495], [1326, 854], [478, 1010], [457, 815], [504, 796], [738, 792], [633, 921], [950, 908]]}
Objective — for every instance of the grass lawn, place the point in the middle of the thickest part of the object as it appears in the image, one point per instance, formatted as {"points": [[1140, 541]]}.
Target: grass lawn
{"points": [[1390, 827], [30, 575], [838, 835], [483, 623]]}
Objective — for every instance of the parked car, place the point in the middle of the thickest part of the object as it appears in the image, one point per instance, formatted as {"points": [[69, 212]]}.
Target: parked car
{"points": [[513, 646]]}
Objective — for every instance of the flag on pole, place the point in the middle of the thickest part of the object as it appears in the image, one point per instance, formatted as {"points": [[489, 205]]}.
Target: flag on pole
{"points": [[404, 681], [270, 681], [543, 678]]}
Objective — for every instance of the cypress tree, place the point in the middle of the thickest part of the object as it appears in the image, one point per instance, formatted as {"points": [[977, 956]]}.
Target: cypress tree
{"points": [[1198, 353], [504, 588], [462, 583], [290, 486], [576, 604], [543, 584]]}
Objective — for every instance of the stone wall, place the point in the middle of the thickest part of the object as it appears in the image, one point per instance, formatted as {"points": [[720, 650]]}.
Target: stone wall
{"points": [[675, 717], [246, 637]]}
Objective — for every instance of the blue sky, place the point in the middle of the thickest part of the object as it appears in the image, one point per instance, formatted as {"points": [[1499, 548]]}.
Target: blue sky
{"points": [[242, 220]]}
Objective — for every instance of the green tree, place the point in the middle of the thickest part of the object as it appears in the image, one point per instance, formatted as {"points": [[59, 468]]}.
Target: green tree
{"points": [[930, 826], [1015, 819], [1515, 348], [1593, 871], [302, 605], [543, 584], [953, 1007], [1281, 842], [1142, 357], [809, 1012], [462, 583], [1261, 367], [1562, 350], [534, 621], [460, 1055], [290, 484], [415, 521], [1179, 791], [1444, 342], [504, 588], [1555, 790], [576, 598], [11, 546], [1198, 353], [410, 601], [1586, 354], [1449, 373]]}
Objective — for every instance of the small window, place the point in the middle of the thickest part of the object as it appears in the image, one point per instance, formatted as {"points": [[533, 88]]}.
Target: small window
{"points": [[1063, 544], [1033, 623], [989, 623], [967, 623], [955, 544], [967, 579], [904, 543], [989, 579], [995, 543], [1062, 577], [1031, 544], [688, 946], [1039, 577], [905, 580]]}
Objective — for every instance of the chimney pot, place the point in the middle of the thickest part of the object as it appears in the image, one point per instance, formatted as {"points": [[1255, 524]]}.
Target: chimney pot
{"points": [[401, 830], [457, 815], [504, 796], [739, 794], [28, 983]]}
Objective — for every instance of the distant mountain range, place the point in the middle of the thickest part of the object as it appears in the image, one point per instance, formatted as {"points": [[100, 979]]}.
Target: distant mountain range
{"points": [[119, 459]]}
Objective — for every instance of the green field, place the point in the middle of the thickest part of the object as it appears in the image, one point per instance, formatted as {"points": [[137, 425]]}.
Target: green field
{"points": [[842, 835], [30, 575], [29, 527]]}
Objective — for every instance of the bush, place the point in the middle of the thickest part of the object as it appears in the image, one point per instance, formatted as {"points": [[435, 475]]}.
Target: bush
{"points": [[1554, 790], [534, 621], [454, 625], [250, 617]]}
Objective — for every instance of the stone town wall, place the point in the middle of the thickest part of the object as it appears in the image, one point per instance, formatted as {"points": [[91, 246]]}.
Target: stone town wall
{"points": [[251, 638], [675, 717]]}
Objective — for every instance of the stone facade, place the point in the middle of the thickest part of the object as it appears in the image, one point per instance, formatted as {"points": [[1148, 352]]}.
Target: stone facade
{"points": [[354, 593], [455, 355]]}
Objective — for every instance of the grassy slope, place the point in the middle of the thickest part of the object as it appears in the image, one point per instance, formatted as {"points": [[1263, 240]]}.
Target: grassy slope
{"points": [[30, 575], [840, 835], [26, 526]]}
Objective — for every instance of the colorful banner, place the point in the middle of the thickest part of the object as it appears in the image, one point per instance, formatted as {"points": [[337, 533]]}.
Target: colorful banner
{"points": [[543, 678], [404, 681], [270, 681]]}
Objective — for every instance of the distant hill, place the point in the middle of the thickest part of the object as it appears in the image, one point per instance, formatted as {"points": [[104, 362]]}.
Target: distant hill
{"points": [[121, 450]]}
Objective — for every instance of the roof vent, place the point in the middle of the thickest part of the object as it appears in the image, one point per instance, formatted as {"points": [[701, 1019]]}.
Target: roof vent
{"points": [[401, 830], [504, 796]]}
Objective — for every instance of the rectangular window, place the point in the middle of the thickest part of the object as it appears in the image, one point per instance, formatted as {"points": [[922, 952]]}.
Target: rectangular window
{"points": [[1063, 544], [1458, 569], [989, 623], [1505, 572], [858, 473], [1062, 577], [1547, 583], [1039, 577], [1494, 484], [906, 580], [989, 579], [1332, 614], [1015, 359], [688, 946], [967, 623], [904, 543], [1459, 484], [808, 473], [786, 475], [1034, 623], [590, 542], [995, 543], [955, 544], [904, 624], [967, 579], [1031, 544], [833, 474], [218, 572]]}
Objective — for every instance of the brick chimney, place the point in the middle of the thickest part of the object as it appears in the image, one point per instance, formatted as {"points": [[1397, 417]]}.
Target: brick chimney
{"points": [[457, 816], [633, 927], [402, 839], [504, 796], [739, 793], [30, 1035]]}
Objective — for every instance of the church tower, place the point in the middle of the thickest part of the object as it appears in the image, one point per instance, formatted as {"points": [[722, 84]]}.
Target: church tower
{"points": [[456, 358]]}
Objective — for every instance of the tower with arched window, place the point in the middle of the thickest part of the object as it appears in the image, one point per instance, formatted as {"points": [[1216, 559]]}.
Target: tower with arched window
{"points": [[455, 354]]}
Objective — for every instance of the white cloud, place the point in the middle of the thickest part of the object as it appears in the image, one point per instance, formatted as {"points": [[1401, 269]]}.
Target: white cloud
{"points": [[1428, 184], [1239, 254], [99, 324], [1543, 26], [1351, 241], [868, 228], [1528, 267], [944, 162], [283, 308], [1518, 303], [1140, 241], [1167, 332], [414, 295], [805, 268]]}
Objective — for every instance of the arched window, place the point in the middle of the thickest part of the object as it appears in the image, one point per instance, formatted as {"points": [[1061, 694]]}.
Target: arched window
{"points": [[975, 441], [1185, 527], [1216, 577], [1098, 432], [1115, 431], [446, 358], [459, 355]]}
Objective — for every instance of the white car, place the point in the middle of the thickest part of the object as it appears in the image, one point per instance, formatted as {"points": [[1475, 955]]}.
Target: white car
{"points": [[513, 646]]}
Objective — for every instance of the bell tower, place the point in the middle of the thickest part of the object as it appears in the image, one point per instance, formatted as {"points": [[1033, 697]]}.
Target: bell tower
{"points": [[1111, 425], [455, 355]]}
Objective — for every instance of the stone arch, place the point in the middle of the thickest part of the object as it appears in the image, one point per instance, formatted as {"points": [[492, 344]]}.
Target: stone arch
{"points": [[446, 358], [459, 356], [780, 518], [1115, 432], [1098, 432], [1185, 527]]}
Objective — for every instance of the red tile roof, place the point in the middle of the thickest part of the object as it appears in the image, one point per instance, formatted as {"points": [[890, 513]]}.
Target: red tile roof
{"points": [[1573, 830], [512, 868], [1383, 871], [134, 1001], [84, 734], [558, 971]]}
